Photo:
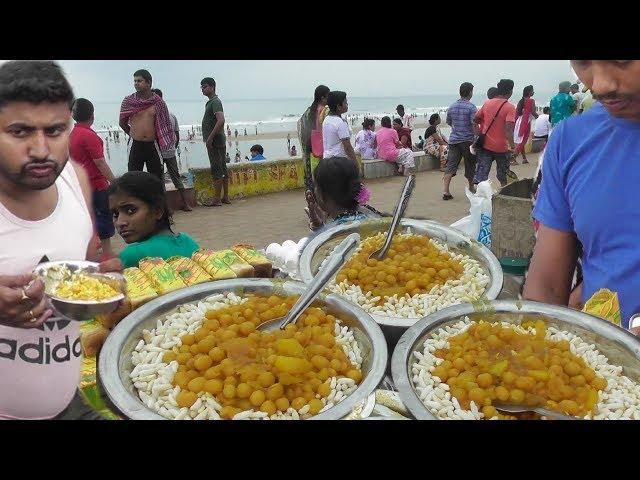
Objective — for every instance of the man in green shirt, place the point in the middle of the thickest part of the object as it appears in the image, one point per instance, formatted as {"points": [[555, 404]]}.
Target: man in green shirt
{"points": [[213, 136], [562, 105]]}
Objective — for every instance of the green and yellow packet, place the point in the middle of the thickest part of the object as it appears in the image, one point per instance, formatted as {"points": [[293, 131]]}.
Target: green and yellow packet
{"points": [[604, 304]]}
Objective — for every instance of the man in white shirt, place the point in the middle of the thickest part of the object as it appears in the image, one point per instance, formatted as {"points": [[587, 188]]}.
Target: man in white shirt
{"points": [[541, 129], [406, 118], [577, 97], [542, 125]]}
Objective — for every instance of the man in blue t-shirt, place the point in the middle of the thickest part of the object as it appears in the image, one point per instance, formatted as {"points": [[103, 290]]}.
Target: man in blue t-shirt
{"points": [[589, 193], [460, 118]]}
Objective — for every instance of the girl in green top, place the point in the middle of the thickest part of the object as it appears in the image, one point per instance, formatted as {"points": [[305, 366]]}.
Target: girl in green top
{"points": [[143, 220]]}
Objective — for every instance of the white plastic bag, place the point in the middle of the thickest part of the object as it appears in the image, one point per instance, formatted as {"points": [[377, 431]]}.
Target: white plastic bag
{"points": [[477, 224]]}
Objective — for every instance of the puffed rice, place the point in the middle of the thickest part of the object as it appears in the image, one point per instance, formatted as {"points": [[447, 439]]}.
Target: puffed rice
{"points": [[619, 400], [152, 377], [469, 287]]}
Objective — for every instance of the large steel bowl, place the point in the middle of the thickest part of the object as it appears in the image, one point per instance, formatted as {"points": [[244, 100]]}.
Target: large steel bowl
{"points": [[317, 249], [617, 344], [115, 364]]}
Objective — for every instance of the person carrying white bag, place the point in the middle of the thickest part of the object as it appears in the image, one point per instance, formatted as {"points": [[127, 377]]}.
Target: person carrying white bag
{"points": [[477, 225]]}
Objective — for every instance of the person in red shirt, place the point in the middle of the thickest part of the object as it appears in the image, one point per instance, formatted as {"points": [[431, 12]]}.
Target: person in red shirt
{"points": [[496, 119], [86, 148]]}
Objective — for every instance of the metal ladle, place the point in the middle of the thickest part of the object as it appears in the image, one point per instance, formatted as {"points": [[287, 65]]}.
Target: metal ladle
{"points": [[337, 259], [397, 216]]}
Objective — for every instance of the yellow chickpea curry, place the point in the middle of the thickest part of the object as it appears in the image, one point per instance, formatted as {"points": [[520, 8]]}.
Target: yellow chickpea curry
{"points": [[246, 369], [490, 362], [412, 265], [83, 287]]}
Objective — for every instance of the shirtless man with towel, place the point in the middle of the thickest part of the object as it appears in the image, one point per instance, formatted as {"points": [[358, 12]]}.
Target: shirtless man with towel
{"points": [[145, 118]]}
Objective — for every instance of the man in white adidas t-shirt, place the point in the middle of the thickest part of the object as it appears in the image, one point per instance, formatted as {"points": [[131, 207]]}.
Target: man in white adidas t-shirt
{"points": [[45, 205]]}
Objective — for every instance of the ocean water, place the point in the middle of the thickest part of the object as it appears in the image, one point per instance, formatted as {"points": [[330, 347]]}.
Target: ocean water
{"points": [[263, 116], [275, 114], [193, 153]]}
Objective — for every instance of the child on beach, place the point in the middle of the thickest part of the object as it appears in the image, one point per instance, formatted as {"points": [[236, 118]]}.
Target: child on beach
{"points": [[257, 153], [141, 215], [391, 150], [85, 147], [366, 140]]}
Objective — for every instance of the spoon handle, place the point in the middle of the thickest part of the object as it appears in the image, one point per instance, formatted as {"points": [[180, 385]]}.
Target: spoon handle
{"points": [[555, 415], [539, 410], [326, 273], [400, 209]]}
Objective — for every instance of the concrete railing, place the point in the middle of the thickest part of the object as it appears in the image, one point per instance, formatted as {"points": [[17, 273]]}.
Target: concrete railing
{"points": [[381, 168], [257, 178], [252, 178]]}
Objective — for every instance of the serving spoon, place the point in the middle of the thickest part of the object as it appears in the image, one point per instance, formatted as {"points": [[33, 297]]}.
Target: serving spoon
{"points": [[552, 414], [337, 259], [397, 216]]}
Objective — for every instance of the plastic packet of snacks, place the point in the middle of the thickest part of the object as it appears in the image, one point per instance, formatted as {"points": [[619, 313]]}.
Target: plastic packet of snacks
{"points": [[604, 304], [237, 264], [190, 272], [163, 276], [260, 263], [213, 264], [139, 287]]}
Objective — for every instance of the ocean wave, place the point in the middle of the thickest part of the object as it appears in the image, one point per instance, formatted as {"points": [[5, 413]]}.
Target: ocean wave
{"points": [[291, 119], [357, 114], [270, 121]]}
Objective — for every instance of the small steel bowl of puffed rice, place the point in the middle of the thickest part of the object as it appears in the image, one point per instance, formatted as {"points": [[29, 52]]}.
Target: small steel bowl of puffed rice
{"points": [[458, 362]]}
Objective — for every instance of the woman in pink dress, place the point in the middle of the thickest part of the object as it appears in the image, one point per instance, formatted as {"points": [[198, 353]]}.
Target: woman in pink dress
{"points": [[391, 150], [525, 112]]}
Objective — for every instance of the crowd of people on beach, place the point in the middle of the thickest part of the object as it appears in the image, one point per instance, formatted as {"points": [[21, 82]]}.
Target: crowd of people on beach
{"points": [[54, 209], [499, 132], [507, 129], [586, 135]]}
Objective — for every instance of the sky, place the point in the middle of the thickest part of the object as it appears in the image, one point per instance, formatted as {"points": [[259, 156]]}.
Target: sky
{"points": [[111, 80]]}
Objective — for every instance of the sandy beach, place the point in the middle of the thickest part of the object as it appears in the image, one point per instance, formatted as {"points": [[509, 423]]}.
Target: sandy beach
{"points": [[417, 125], [193, 154]]}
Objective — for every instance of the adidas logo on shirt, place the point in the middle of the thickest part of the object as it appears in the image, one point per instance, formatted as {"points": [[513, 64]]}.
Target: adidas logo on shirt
{"points": [[43, 352]]}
